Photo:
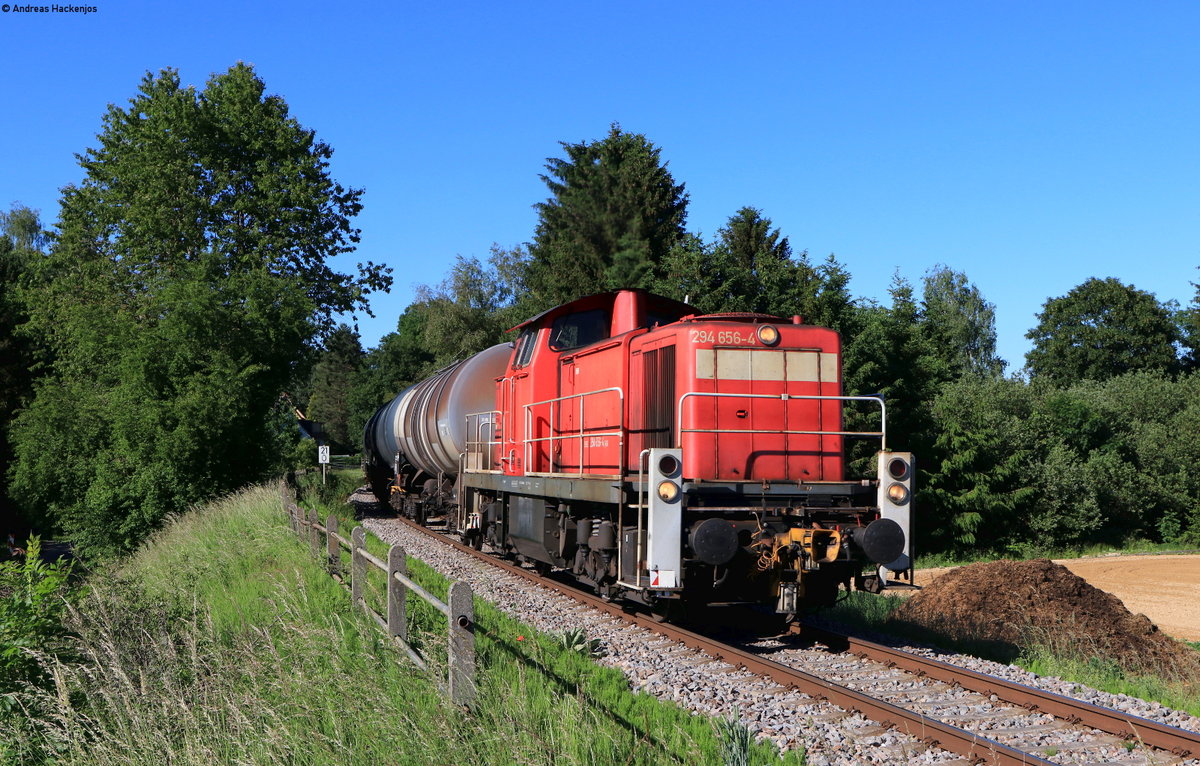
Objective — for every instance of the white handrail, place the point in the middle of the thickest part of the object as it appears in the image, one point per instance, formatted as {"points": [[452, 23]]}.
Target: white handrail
{"points": [[479, 443], [881, 433], [580, 435]]}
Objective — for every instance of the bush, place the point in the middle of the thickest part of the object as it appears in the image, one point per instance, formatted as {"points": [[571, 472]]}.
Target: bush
{"points": [[32, 600]]}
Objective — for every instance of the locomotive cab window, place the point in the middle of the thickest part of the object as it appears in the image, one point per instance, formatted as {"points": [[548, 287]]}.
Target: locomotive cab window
{"points": [[656, 319], [577, 330], [525, 345]]}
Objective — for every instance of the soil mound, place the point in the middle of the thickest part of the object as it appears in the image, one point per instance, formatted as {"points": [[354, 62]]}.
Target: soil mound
{"points": [[1009, 606]]}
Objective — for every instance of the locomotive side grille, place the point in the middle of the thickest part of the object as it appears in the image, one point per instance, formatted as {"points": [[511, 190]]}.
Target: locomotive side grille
{"points": [[658, 390]]}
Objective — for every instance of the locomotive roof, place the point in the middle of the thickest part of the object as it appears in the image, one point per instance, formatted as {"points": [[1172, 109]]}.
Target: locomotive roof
{"points": [[658, 301]]}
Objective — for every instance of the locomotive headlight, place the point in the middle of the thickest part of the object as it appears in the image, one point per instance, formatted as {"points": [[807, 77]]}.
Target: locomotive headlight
{"points": [[898, 494], [768, 335], [668, 491]]}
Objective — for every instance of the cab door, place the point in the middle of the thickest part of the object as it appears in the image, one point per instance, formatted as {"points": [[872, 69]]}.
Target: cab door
{"points": [[513, 393]]}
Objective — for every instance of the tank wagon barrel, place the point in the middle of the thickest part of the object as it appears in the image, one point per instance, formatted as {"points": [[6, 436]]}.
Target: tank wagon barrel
{"points": [[426, 425]]}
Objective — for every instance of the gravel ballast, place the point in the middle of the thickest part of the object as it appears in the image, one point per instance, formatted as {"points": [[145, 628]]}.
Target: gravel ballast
{"points": [[670, 671]]}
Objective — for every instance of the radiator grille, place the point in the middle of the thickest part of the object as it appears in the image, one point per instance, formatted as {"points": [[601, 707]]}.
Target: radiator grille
{"points": [[658, 391]]}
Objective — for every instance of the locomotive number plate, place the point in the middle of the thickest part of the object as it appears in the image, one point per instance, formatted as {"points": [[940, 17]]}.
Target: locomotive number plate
{"points": [[725, 337]]}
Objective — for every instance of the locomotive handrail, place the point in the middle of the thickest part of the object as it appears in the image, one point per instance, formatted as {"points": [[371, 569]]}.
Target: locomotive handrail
{"points": [[479, 443], [580, 435], [640, 507], [881, 433]]}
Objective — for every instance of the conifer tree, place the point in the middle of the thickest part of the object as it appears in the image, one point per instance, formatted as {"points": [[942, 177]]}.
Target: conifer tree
{"points": [[613, 214]]}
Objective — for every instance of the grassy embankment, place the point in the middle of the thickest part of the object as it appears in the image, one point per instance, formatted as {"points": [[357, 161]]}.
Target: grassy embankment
{"points": [[223, 641], [1046, 655]]}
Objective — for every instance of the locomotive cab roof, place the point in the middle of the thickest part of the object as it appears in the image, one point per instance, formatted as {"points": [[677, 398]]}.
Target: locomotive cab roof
{"points": [[631, 309]]}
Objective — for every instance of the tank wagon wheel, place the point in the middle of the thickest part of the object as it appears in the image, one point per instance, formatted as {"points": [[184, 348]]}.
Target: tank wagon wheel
{"points": [[473, 538]]}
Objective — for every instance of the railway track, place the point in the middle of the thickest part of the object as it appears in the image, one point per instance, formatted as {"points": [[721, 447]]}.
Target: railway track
{"points": [[980, 718]]}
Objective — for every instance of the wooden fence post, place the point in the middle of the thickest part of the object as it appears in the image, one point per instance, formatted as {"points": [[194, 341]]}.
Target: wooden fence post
{"points": [[462, 644], [396, 592], [333, 551], [314, 536], [358, 564]]}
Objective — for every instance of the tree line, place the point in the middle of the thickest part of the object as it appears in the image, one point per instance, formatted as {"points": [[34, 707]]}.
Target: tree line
{"points": [[153, 345], [1090, 442]]}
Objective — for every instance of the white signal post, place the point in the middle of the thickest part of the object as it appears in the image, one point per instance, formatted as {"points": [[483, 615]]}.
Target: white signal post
{"points": [[323, 459]]}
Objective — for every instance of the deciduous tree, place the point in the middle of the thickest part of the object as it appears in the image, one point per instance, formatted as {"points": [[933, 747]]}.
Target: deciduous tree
{"points": [[475, 304], [1189, 331], [401, 359], [188, 277], [960, 323], [22, 246], [333, 378], [1099, 330]]}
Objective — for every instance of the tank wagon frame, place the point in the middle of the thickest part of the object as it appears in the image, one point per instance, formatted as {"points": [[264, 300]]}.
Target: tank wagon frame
{"points": [[659, 455]]}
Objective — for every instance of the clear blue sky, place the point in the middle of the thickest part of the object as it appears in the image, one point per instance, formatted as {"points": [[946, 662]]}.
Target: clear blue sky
{"points": [[1029, 144]]}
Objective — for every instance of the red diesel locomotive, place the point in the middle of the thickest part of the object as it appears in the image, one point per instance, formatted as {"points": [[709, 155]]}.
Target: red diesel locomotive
{"points": [[659, 455]]}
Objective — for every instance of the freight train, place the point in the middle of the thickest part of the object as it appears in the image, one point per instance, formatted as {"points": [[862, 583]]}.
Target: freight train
{"points": [[657, 454]]}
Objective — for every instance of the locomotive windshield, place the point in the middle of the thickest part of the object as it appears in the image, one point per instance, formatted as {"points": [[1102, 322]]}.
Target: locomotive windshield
{"points": [[576, 330], [525, 347]]}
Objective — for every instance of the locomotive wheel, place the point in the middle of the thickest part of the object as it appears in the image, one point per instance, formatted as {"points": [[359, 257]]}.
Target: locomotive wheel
{"points": [[668, 610]]}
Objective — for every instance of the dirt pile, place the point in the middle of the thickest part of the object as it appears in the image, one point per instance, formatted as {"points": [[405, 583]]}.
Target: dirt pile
{"points": [[1009, 606]]}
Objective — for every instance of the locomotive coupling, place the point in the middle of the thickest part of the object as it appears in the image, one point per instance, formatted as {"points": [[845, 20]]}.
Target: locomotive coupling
{"points": [[812, 546]]}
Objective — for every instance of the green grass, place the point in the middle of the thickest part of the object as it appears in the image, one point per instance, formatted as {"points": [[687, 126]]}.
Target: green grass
{"points": [[223, 641], [1047, 655]]}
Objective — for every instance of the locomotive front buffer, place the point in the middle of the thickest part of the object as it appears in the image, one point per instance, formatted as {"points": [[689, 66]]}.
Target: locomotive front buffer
{"points": [[794, 543]]}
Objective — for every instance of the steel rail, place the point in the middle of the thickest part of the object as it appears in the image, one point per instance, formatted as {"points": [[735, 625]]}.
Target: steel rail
{"points": [[932, 732], [1181, 742]]}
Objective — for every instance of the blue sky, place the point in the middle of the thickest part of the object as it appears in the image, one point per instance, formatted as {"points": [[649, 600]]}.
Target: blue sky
{"points": [[1031, 145]]}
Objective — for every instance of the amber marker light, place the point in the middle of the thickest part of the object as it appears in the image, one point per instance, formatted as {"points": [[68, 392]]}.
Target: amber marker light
{"points": [[898, 494], [768, 334], [668, 491]]}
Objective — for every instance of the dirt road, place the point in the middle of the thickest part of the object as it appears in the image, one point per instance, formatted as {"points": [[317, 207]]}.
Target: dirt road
{"points": [[1164, 588]]}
